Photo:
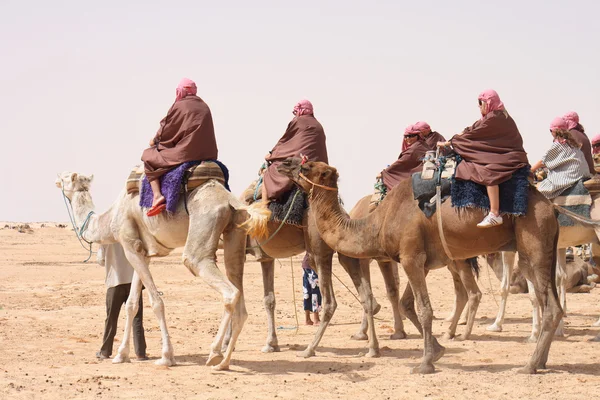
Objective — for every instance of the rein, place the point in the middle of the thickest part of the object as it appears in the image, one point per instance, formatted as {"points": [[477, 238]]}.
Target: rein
{"points": [[332, 189], [438, 201], [78, 231]]}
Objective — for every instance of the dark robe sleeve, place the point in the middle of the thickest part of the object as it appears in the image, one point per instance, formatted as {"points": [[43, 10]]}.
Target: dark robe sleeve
{"points": [[586, 148], [409, 162]]}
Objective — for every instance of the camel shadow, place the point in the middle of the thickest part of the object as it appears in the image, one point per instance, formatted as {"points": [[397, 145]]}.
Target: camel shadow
{"points": [[585, 369], [440, 366], [312, 366]]}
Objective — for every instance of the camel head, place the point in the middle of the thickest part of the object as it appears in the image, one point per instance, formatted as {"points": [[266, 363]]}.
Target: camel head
{"points": [[71, 182], [308, 174]]}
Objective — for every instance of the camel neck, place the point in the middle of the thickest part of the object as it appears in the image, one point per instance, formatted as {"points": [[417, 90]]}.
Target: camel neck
{"points": [[82, 205], [352, 237]]}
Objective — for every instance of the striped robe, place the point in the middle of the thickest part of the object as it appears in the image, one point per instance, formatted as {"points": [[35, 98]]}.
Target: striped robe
{"points": [[566, 165]]}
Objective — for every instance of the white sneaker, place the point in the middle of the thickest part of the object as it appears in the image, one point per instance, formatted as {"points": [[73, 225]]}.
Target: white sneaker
{"points": [[490, 220]]}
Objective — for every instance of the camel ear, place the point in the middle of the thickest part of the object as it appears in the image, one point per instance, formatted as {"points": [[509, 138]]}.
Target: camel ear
{"points": [[74, 176], [91, 178]]}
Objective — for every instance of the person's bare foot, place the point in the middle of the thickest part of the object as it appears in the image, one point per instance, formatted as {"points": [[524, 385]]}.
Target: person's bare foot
{"points": [[308, 322]]}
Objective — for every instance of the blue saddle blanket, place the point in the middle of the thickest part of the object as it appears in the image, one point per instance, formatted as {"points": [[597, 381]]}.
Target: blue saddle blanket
{"points": [[514, 194], [576, 199]]}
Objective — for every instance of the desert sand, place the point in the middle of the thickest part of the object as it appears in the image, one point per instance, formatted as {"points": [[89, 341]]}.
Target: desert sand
{"points": [[52, 310]]}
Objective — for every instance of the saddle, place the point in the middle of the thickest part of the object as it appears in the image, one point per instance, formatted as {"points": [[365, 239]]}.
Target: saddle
{"points": [[289, 209], [194, 177]]}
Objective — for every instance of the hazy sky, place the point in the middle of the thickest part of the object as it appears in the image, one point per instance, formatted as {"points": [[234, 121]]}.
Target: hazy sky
{"points": [[83, 85]]}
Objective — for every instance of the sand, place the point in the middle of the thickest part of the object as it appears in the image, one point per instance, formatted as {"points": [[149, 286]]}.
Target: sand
{"points": [[52, 314]]}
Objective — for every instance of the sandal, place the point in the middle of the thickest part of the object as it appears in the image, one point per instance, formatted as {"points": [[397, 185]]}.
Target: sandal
{"points": [[155, 210]]}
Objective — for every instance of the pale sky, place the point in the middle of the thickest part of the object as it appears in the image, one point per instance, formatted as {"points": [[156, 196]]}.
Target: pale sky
{"points": [[83, 85]]}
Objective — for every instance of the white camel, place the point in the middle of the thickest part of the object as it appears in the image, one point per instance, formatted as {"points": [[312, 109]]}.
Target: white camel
{"points": [[586, 231], [212, 211]]}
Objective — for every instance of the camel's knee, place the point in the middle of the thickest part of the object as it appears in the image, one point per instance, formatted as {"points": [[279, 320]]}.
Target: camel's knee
{"points": [[131, 307], [329, 310], [269, 302], [475, 297]]}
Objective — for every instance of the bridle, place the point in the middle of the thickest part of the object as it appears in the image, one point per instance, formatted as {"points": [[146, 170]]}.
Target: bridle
{"points": [[331, 189], [78, 231]]}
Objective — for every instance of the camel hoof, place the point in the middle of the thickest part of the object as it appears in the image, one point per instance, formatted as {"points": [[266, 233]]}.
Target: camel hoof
{"points": [[306, 353], [448, 336], [270, 349], [460, 338], [359, 336], [119, 359], [597, 323], [221, 367], [398, 335], [214, 359], [165, 362], [595, 339], [423, 369], [438, 351], [527, 370], [373, 353], [560, 332], [376, 309], [531, 339], [494, 328], [463, 322]]}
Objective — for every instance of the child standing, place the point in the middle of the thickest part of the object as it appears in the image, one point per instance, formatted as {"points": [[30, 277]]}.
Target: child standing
{"points": [[311, 291]]}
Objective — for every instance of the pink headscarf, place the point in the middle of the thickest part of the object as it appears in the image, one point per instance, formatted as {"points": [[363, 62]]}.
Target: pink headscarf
{"points": [[185, 87], [410, 130], [423, 127], [595, 140], [558, 123], [572, 119], [304, 107], [491, 98]]}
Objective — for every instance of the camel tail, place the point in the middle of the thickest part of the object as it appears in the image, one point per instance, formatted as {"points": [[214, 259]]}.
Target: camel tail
{"points": [[258, 218], [474, 265], [591, 223]]}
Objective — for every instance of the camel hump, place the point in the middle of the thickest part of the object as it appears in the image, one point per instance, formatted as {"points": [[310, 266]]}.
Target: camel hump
{"points": [[197, 175]]}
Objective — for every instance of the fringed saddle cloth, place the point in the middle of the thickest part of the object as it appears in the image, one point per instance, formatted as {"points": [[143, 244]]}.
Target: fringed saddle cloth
{"points": [[289, 209], [196, 176], [576, 199]]}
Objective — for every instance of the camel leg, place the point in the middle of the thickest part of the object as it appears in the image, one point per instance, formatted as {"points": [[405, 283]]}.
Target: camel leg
{"points": [[361, 334], [268, 274], [508, 261], [131, 309], [234, 254], [328, 302], [470, 284], [353, 267], [414, 268], [460, 300], [199, 257], [407, 305], [535, 313], [561, 278], [389, 271], [140, 265], [470, 289], [540, 268]]}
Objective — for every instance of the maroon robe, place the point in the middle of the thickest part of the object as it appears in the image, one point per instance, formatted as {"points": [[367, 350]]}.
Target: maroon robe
{"points": [[586, 148], [432, 140], [491, 149], [304, 135], [409, 162], [186, 134]]}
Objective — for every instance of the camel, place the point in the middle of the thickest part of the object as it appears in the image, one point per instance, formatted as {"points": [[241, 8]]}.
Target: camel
{"points": [[465, 287], [286, 240], [212, 211], [398, 229], [582, 233]]}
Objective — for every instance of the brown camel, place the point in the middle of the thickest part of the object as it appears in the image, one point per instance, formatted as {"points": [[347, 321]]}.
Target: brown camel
{"points": [[290, 241], [465, 290], [398, 229]]}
